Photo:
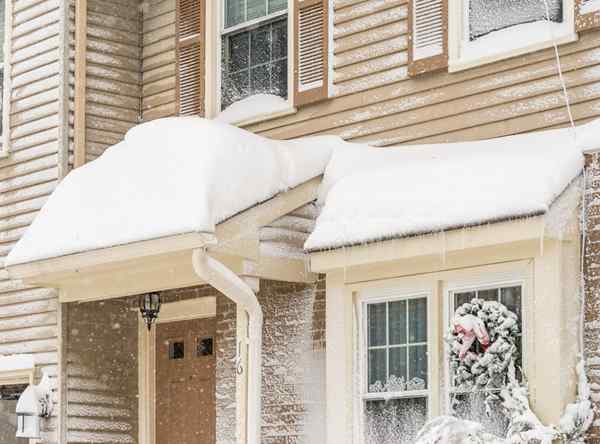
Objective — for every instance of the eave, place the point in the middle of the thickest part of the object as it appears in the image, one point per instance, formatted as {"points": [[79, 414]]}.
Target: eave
{"points": [[165, 263]]}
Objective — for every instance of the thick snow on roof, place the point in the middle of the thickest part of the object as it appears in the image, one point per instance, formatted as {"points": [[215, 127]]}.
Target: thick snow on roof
{"points": [[370, 194], [168, 177]]}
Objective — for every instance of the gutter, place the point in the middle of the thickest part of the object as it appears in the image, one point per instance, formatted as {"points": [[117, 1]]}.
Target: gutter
{"points": [[231, 285]]}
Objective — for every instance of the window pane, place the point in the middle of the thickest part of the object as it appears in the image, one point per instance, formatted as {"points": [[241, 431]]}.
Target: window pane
{"points": [[511, 298], [396, 421], [279, 80], [277, 5], [398, 363], [488, 295], [486, 16], [417, 320], [417, 365], [397, 322], [377, 369], [260, 78], [279, 39], [260, 45], [234, 12], [235, 87], [463, 298], [256, 9], [472, 406], [377, 324], [238, 52]]}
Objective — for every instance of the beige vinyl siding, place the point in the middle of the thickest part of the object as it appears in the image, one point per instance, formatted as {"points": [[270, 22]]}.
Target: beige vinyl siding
{"points": [[113, 84], [158, 60], [29, 173]]}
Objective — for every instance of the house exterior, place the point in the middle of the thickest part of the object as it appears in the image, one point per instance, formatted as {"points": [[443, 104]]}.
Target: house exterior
{"points": [[79, 75]]}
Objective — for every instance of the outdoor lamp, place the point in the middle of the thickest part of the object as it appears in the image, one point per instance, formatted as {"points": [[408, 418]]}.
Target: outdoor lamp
{"points": [[33, 405], [149, 308]]}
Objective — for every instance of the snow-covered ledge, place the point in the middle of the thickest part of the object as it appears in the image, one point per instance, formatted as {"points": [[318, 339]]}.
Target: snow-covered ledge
{"points": [[256, 108]]}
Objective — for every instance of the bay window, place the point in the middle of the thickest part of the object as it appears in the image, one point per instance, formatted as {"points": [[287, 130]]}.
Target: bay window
{"points": [[254, 49], [396, 390]]}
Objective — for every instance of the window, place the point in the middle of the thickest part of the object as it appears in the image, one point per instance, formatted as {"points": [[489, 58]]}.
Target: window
{"points": [[2, 36], [9, 395], [396, 392], [482, 31], [471, 405], [254, 47]]}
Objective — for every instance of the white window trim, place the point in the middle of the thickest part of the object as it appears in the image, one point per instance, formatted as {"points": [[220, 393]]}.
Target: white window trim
{"points": [[214, 59], [458, 32], [375, 296], [461, 286]]}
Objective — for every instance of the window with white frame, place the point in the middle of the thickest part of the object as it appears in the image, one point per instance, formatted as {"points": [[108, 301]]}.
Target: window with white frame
{"points": [[9, 395], [487, 30], [472, 405], [396, 387], [254, 49]]}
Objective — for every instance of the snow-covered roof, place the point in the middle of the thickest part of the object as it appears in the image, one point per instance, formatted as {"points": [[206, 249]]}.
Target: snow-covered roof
{"points": [[185, 175], [168, 177], [370, 194]]}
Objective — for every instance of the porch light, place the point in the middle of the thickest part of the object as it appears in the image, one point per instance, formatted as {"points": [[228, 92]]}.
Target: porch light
{"points": [[149, 308], [34, 403]]}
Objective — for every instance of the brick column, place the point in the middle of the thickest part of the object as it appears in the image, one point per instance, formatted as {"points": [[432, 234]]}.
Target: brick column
{"points": [[592, 286]]}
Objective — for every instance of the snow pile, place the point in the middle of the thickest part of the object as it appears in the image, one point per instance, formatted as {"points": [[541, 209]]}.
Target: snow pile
{"points": [[169, 176], [253, 106], [370, 194], [448, 429]]}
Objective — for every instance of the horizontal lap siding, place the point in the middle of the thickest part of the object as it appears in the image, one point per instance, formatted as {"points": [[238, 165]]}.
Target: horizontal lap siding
{"points": [[158, 60], [28, 315], [113, 84], [376, 102]]}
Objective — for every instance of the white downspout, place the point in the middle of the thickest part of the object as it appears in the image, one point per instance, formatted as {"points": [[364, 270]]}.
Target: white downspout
{"points": [[231, 285]]}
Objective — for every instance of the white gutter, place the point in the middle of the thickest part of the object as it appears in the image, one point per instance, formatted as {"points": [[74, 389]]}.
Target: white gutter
{"points": [[231, 285]]}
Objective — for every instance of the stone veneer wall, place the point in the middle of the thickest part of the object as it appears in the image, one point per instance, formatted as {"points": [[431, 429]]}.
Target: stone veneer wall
{"points": [[592, 287]]}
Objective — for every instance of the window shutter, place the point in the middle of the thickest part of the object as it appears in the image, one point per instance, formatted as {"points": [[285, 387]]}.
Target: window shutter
{"points": [[428, 36], [587, 14], [189, 50], [311, 49]]}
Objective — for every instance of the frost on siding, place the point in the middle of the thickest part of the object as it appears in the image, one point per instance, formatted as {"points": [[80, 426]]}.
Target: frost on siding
{"points": [[486, 16]]}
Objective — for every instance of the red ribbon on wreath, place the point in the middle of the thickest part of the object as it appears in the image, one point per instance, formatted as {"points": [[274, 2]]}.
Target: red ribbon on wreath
{"points": [[468, 328]]}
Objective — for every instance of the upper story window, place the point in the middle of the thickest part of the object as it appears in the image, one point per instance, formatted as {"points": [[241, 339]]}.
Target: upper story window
{"points": [[482, 31], [254, 47], [396, 390]]}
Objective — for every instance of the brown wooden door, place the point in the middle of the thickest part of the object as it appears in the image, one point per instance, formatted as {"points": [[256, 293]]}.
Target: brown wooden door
{"points": [[185, 382]]}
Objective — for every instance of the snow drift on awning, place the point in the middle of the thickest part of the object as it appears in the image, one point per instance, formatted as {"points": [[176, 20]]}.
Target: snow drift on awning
{"points": [[371, 194], [170, 176]]}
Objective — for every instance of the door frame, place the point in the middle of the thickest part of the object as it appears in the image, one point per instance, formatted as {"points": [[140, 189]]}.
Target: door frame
{"points": [[197, 308]]}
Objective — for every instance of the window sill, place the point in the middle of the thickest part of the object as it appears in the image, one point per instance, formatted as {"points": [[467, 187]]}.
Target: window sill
{"points": [[262, 117], [467, 61]]}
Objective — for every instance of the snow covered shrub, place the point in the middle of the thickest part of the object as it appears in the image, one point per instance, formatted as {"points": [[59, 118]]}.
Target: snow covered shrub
{"points": [[451, 430]]}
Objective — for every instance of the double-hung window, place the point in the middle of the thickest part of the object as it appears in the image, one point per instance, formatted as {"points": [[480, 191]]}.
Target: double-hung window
{"points": [[395, 393], [254, 49], [472, 405]]}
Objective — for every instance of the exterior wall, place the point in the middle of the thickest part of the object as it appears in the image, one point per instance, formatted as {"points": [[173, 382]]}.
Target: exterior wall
{"points": [[592, 286], [101, 371], [158, 59], [113, 84], [35, 159]]}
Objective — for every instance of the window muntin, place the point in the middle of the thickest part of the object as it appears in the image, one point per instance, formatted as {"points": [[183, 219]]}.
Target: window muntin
{"points": [[472, 405], [396, 398], [240, 11], [255, 61], [486, 16]]}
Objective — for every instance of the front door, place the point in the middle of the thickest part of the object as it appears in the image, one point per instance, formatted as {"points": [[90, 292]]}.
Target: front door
{"points": [[185, 382]]}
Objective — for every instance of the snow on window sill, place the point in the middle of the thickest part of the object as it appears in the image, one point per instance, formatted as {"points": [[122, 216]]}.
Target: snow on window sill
{"points": [[255, 109], [538, 35]]}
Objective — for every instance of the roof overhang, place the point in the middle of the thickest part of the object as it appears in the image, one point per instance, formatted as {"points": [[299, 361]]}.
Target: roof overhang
{"points": [[433, 244], [165, 263]]}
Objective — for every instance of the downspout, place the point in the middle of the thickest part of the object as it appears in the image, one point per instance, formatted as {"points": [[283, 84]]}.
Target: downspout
{"points": [[231, 285]]}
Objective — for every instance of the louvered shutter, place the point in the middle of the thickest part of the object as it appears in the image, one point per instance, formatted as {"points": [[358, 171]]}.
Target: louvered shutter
{"points": [[190, 57], [311, 44], [587, 14], [428, 36]]}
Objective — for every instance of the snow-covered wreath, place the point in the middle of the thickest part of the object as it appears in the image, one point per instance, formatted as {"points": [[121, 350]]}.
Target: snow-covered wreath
{"points": [[483, 345]]}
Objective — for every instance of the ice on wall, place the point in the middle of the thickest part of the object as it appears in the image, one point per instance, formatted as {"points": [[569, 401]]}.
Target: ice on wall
{"points": [[486, 16]]}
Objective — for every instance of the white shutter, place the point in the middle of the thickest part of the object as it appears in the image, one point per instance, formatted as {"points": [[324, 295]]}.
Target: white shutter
{"points": [[428, 24]]}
